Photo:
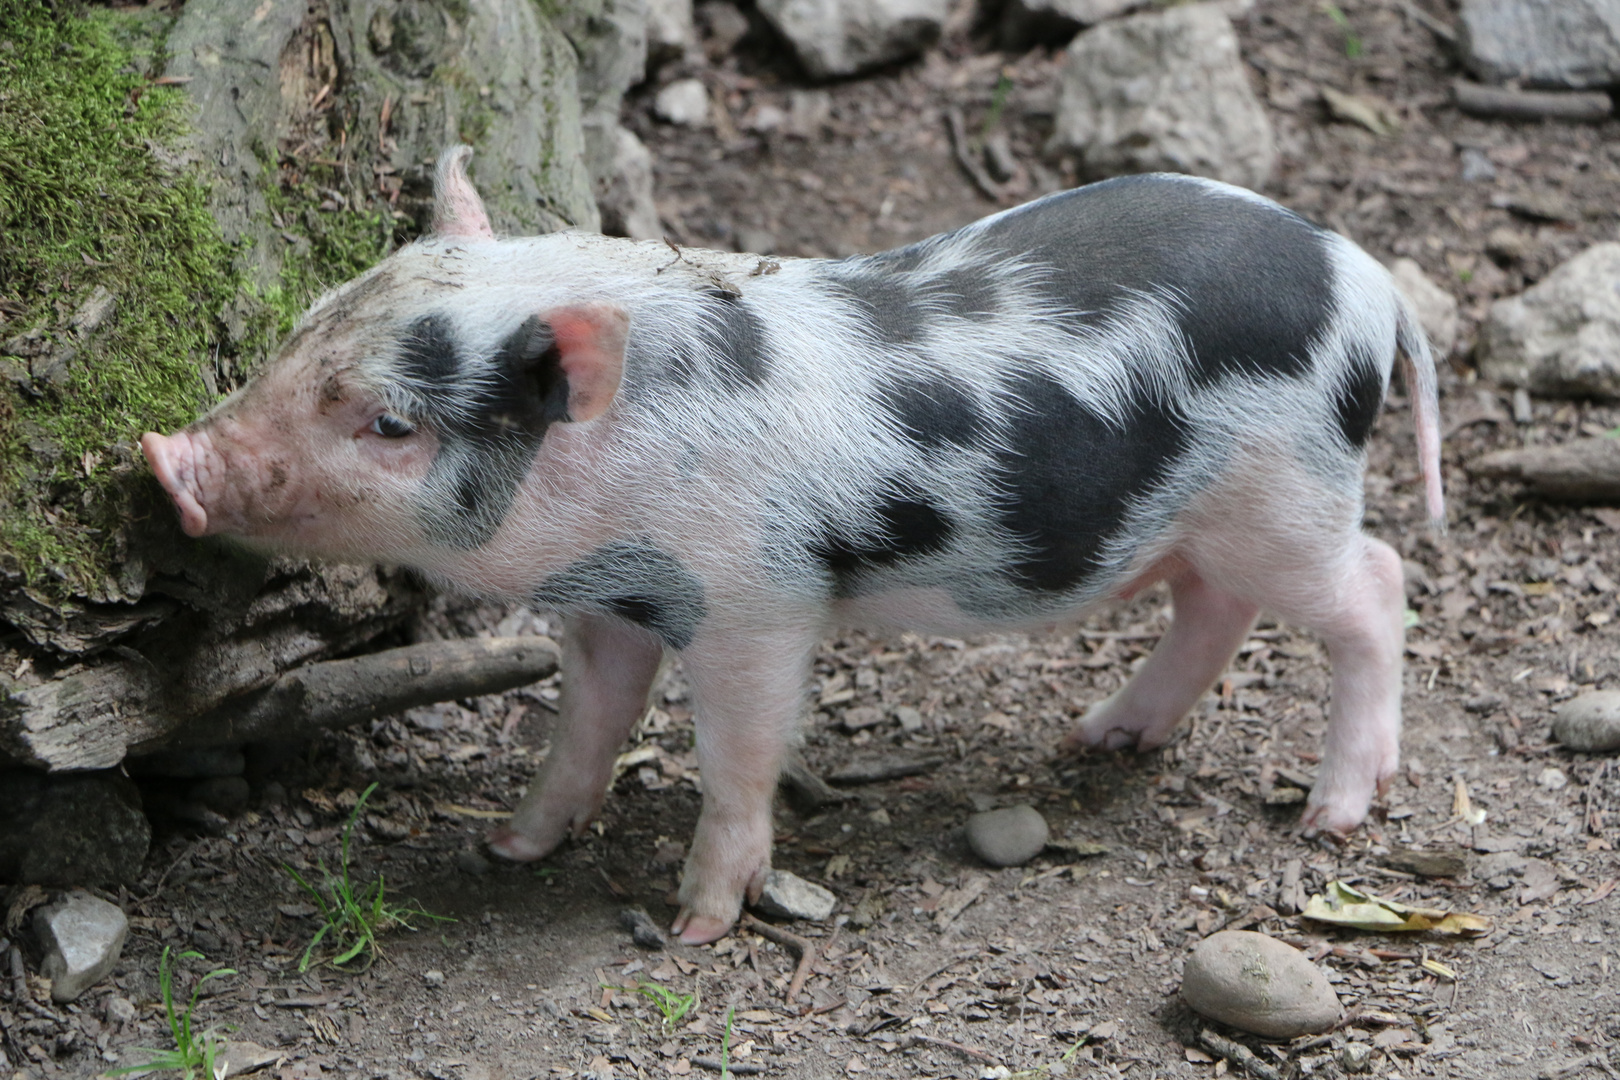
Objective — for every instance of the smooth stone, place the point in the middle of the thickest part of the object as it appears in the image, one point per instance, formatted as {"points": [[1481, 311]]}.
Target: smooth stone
{"points": [[684, 102], [1008, 837], [82, 936], [471, 862], [788, 896], [1258, 984], [834, 38], [1589, 723], [1556, 44]]}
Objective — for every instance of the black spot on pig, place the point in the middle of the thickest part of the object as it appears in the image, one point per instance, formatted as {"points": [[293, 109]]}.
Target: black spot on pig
{"points": [[1067, 479], [427, 354], [637, 582], [967, 293], [933, 412], [489, 429], [885, 302], [906, 526], [1250, 284], [736, 339], [1357, 399]]}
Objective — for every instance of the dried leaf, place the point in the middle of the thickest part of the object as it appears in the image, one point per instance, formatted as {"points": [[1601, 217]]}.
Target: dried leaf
{"points": [[1463, 807], [1378, 117], [1343, 905], [1435, 967]]}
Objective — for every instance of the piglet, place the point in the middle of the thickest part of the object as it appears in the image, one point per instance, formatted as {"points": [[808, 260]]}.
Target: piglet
{"points": [[1150, 378]]}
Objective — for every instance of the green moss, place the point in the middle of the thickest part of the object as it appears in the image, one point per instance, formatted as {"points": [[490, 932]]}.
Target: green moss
{"points": [[84, 202], [330, 243]]}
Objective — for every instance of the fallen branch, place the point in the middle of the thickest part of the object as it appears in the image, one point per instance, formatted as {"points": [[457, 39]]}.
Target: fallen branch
{"points": [[1238, 1055], [339, 693], [802, 948], [736, 1068], [805, 787], [1506, 103], [1587, 470], [875, 772]]}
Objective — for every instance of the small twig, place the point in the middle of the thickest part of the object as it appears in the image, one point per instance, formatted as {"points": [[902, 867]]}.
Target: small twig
{"points": [[1429, 22], [806, 787], [914, 1039], [802, 947], [1238, 1055], [738, 1068], [964, 156], [679, 255]]}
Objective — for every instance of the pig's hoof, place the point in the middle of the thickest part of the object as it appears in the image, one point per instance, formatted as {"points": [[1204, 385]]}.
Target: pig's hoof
{"points": [[695, 929], [1332, 822], [508, 843]]}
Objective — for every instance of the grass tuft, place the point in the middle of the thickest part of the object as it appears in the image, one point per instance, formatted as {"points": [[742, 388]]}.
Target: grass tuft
{"points": [[194, 1051], [353, 915]]}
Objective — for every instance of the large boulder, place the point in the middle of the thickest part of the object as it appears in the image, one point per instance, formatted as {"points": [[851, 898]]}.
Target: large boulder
{"points": [[1558, 44], [835, 38], [1163, 91], [1561, 337]]}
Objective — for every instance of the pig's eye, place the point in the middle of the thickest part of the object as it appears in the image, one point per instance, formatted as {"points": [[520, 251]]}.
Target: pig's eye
{"points": [[390, 426]]}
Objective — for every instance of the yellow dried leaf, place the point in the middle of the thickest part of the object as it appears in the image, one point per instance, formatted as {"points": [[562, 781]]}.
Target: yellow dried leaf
{"points": [[1342, 905]]}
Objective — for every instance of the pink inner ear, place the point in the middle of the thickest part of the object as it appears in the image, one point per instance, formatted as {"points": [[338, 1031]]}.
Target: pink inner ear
{"points": [[590, 342], [457, 209]]}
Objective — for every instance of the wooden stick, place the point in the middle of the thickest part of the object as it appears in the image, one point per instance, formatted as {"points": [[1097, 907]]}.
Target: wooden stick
{"points": [[1506, 103], [1585, 470], [801, 947], [1238, 1055], [339, 693]]}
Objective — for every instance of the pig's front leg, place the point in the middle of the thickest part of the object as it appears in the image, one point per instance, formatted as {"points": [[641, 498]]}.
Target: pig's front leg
{"points": [[748, 689], [607, 668]]}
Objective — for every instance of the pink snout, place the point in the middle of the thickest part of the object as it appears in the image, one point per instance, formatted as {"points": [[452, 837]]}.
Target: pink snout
{"points": [[173, 461]]}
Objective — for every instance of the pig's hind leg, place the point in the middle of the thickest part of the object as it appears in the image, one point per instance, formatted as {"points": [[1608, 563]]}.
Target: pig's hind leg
{"points": [[1346, 587], [607, 668], [1207, 626]]}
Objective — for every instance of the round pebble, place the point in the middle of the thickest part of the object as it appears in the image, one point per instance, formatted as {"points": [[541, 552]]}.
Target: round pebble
{"points": [[1590, 722], [433, 978], [471, 862], [1008, 837], [1258, 984]]}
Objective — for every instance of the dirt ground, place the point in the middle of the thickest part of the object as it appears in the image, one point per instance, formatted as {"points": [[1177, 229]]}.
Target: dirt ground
{"points": [[935, 965]]}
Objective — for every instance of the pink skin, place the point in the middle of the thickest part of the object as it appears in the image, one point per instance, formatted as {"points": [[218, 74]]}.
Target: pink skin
{"points": [[292, 464], [610, 666]]}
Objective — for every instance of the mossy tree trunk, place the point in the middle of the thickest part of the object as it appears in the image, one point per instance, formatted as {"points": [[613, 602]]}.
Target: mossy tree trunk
{"points": [[195, 181]]}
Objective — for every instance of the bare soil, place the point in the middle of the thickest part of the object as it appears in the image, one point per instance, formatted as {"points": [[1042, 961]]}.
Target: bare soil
{"points": [[938, 966]]}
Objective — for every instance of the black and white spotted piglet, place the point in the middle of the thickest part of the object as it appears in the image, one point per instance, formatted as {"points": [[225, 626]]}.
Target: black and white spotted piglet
{"points": [[1152, 378]]}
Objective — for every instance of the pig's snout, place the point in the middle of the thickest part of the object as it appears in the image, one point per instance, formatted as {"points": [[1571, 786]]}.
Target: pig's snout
{"points": [[174, 461]]}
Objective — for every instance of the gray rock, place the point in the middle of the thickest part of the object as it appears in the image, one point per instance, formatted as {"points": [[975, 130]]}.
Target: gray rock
{"points": [[473, 863], [643, 931], [1560, 337], [625, 198], [1163, 91], [77, 829], [684, 102], [723, 26], [670, 31], [118, 1010], [1436, 308], [1258, 984], [833, 38], [226, 795], [433, 977], [1568, 44], [1007, 837], [610, 37], [787, 896], [1590, 722], [82, 936]]}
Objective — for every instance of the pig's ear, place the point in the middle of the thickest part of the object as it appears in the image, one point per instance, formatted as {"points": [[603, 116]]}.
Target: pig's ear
{"points": [[457, 209], [590, 350]]}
